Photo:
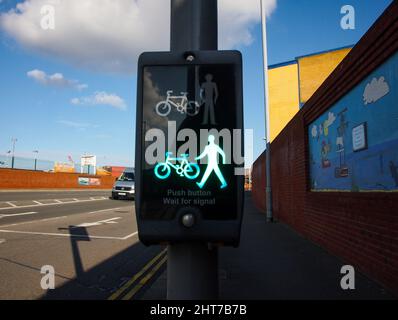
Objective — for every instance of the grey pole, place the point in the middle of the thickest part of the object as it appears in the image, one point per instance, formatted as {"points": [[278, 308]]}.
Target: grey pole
{"points": [[36, 152], [14, 140], [268, 190], [194, 25], [192, 268]]}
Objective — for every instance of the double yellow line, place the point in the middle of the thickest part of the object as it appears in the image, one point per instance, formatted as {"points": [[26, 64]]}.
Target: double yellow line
{"points": [[133, 286]]}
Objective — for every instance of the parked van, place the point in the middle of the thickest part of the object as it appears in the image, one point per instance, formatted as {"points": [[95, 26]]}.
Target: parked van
{"points": [[124, 187]]}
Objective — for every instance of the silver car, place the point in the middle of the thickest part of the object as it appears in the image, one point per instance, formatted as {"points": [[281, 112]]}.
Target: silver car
{"points": [[124, 187]]}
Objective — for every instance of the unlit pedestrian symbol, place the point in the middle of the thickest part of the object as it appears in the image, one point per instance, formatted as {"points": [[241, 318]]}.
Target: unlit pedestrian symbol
{"points": [[209, 96], [212, 151]]}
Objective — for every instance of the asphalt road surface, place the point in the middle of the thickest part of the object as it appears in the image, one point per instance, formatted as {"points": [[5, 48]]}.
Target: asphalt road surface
{"points": [[90, 244], [50, 194], [89, 240]]}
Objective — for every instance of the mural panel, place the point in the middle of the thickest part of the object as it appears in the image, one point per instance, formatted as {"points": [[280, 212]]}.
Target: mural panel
{"points": [[354, 146]]}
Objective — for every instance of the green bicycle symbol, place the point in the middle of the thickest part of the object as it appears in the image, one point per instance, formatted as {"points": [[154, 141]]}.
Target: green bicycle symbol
{"points": [[190, 170]]}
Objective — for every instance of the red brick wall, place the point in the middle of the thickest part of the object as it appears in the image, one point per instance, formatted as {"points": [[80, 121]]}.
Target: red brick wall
{"points": [[361, 228], [258, 183], [26, 179]]}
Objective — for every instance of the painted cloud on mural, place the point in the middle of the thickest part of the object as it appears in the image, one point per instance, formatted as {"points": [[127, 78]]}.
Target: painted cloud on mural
{"points": [[375, 90], [331, 119], [314, 131]]}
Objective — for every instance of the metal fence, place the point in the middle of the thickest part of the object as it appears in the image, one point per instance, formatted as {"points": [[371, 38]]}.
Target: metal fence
{"points": [[21, 163], [26, 163]]}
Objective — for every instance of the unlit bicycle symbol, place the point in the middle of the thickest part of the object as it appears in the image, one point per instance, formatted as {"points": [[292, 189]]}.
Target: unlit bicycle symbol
{"points": [[181, 103]]}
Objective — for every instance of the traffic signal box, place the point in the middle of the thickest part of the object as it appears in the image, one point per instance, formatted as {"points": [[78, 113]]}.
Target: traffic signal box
{"points": [[189, 147]]}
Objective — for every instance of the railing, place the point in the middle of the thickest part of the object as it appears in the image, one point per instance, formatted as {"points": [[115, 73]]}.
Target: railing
{"points": [[21, 163], [26, 163]]}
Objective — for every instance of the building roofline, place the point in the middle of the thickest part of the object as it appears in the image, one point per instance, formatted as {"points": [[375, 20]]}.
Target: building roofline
{"points": [[282, 64], [324, 51], [287, 63]]}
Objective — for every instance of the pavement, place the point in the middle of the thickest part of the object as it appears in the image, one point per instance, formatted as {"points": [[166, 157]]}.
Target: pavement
{"points": [[91, 242]]}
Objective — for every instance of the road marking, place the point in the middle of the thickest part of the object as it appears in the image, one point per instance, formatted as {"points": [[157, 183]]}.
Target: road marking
{"points": [[117, 294], [98, 198], [11, 204], [130, 236], [46, 204], [37, 202], [31, 222], [103, 210], [63, 217], [98, 223], [55, 190], [2, 241], [144, 280], [16, 214], [50, 219], [70, 235]]}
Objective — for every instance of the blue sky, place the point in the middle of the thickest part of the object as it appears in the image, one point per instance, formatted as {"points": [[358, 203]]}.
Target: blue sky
{"points": [[43, 117]]}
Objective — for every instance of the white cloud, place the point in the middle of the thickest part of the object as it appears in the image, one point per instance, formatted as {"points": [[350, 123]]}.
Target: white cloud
{"points": [[108, 35], [76, 125], [101, 98], [237, 19], [375, 90], [102, 136], [56, 80]]}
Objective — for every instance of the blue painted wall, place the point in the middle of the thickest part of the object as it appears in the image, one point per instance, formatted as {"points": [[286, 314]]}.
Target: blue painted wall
{"points": [[334, 165]]}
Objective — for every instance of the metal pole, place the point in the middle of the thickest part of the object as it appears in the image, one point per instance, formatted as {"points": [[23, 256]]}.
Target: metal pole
{"points": [[268, 190], [192, 268], [13, 152], [194, 25], [36, 152]]}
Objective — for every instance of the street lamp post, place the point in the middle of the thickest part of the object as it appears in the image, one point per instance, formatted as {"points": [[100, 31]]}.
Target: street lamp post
{"points": [[13, 140], [268, 190], [36, 152]]}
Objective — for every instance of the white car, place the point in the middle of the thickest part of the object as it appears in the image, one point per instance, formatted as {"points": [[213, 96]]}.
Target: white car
{"points": [[124, 187]]}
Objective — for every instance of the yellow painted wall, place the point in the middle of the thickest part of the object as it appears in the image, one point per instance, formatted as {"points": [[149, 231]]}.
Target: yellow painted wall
{"points": [[315, 69], [308, 74], [283, 97]]}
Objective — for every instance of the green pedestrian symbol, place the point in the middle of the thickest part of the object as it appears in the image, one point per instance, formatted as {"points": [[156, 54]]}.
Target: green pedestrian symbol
{"points": [[212, 151]]}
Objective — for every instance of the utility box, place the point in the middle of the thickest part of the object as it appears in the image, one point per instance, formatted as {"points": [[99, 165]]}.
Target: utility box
{"points": [[190, 147]]}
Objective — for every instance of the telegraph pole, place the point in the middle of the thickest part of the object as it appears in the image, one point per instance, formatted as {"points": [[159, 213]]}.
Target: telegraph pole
{"points": [[192, 270], [13, 140], [36, 152]]}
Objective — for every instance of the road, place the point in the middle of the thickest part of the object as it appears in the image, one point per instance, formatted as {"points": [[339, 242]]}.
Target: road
{"points": [[49, 194], [89, 240], [91, 243]]}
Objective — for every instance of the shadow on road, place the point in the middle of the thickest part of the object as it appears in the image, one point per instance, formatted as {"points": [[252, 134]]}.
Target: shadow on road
{"points": [[80, 234], [102, 280]]}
